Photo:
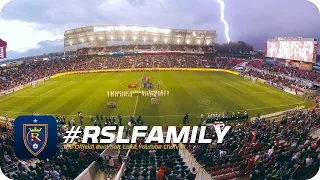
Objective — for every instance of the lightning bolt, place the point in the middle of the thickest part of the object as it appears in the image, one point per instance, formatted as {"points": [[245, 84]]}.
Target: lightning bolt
{"points": [[222, 18]]}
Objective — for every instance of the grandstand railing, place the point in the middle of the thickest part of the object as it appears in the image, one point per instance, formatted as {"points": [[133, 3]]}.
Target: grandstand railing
{"points": [[122, 168], [276, 114], [90, 172], [201, 172]]}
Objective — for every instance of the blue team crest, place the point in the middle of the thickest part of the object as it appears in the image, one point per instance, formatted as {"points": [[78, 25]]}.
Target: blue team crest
{"points": [[35, 137]]}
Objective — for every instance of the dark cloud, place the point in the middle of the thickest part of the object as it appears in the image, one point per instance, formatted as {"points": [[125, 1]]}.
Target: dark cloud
{"points": [[273, 18], [251, 21], [137, 2], [74, 13]]}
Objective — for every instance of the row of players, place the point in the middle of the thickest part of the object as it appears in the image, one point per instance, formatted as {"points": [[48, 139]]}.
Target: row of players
{"points": [[148, 93]]}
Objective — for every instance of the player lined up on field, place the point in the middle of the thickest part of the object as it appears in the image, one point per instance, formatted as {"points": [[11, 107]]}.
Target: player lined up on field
{"points": [[148, 93]]}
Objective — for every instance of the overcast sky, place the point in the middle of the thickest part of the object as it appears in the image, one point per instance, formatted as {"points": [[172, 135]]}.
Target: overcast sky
{"points": [[36, 26]]}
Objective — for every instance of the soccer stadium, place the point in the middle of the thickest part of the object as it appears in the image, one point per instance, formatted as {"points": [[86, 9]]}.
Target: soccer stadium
{"points": [[149, 76]]}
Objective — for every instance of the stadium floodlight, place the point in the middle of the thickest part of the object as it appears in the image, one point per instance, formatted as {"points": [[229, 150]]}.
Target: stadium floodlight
{"points": [[97, 29], [165, 31], [124, 28], [109, 28], [142, 29], [134, 28], [152, 29]]}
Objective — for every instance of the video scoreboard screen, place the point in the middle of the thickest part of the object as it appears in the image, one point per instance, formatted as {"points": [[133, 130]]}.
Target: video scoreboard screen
{"points": [[297, 49]]}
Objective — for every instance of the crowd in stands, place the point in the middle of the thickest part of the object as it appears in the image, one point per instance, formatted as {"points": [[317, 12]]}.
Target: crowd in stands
{"points": [[264, 149], [67, 164], [290, 77], [156, 47], [261, 149], [157, 164], [290, 71], [293, 84], [34, 70]]}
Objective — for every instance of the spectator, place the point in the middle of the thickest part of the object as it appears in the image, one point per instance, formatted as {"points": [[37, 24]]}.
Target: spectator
{"points": [[153, 171], [172, 176], [136, 173], [160, 174]]}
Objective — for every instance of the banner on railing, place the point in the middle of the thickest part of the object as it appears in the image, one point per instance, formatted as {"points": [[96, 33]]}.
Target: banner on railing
{"points": [[146, 69]]}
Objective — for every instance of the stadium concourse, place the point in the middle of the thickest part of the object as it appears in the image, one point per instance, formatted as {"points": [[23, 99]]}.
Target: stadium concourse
{"points": [[261, 149]]}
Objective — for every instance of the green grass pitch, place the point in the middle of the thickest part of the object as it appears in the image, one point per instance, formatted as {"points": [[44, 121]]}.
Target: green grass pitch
{"points": [[190, 92]]}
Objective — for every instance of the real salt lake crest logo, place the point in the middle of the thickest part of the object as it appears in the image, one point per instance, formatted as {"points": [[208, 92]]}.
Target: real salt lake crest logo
{"points": [[35, 137]]}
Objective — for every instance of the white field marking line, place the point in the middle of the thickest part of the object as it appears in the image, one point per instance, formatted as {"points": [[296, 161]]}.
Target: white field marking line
{"points": [[135, 107], [228, 84], [121, 84], [261, 92], [272, 89], [67, 83], [285, 94], [11, 95], [175, 115], [20, 91]]}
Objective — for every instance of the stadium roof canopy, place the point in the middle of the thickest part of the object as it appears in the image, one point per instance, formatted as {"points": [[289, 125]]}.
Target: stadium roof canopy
{"points": [[97, 36]]}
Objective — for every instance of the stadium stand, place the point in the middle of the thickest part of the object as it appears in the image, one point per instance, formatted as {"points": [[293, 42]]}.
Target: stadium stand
{"points": [[151, 164], [67, 164], [264, 149], [28, 72], [157, 47], [260, 149]]}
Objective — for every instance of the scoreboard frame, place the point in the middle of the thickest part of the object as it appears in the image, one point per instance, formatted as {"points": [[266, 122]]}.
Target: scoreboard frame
{"points": [[314, 53]]}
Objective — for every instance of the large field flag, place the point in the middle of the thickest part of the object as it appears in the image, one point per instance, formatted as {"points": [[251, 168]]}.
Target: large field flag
{"points": [[3, 49]]}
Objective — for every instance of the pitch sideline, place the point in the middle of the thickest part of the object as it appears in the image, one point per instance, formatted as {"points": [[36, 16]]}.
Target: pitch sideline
{"points": [[175, 115]]}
